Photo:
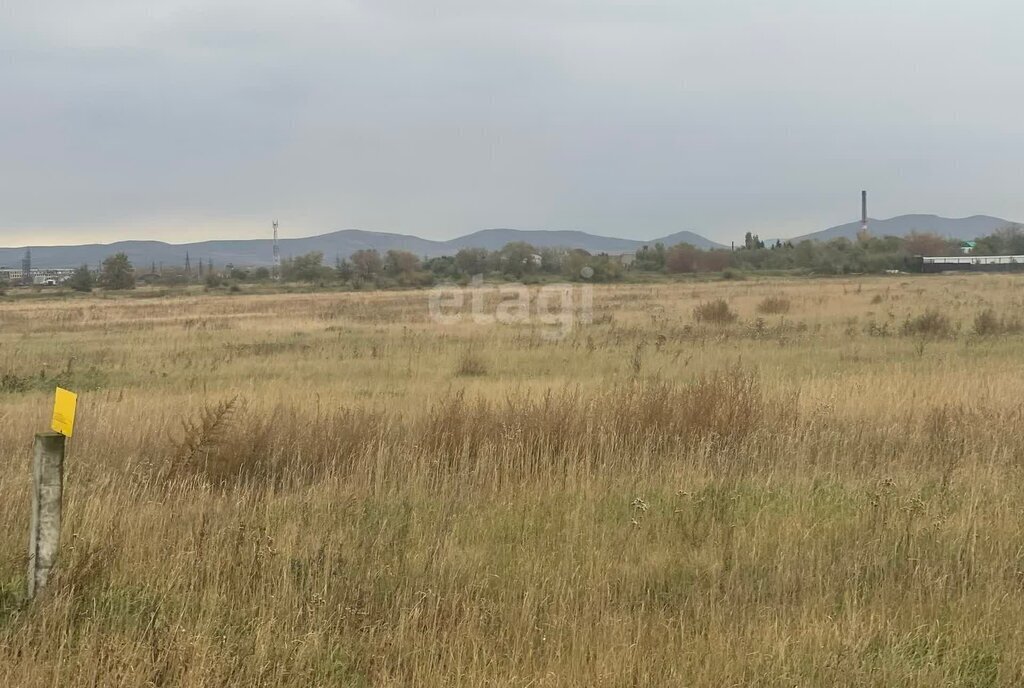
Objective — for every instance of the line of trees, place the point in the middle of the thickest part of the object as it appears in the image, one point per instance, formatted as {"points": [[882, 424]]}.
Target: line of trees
{"points": [[370, 268], [523, 262], [837, 256], [115, 273], [515, 261]]}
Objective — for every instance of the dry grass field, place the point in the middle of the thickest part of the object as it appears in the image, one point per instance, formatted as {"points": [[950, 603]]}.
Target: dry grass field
{"points": [[333, 490]]}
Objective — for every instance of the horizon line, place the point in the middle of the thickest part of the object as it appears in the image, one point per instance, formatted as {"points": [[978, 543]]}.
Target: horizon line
{"points": [[488, 229]]}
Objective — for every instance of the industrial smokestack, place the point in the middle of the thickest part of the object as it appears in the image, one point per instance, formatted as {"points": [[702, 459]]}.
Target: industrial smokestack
{"points": [[864, 210]]}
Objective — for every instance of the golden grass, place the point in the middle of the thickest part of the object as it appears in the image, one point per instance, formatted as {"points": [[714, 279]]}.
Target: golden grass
{"points": [[331, 489]]}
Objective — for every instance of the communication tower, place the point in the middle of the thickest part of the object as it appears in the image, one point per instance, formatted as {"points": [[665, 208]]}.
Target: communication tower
{"points": [[277, 254]]}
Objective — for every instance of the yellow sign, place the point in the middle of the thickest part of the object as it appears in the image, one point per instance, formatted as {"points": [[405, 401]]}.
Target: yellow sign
{"points": [[64, 406]]}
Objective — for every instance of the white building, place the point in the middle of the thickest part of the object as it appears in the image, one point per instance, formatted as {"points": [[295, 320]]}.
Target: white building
{"points": [[40, 276]]}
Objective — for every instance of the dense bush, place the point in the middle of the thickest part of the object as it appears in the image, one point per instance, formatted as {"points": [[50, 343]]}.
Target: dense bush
{"points": [[715, 312], [930, 324], [987, 323], [82, 280], [773, 305]]}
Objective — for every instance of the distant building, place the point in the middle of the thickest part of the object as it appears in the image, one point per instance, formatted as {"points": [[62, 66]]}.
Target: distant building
{"points": [[10, 275], [967, 247], [36, 276], [972, 263]]}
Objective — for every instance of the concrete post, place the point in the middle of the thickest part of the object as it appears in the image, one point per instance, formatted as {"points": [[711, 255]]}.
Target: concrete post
{"points": [[47, 489]]}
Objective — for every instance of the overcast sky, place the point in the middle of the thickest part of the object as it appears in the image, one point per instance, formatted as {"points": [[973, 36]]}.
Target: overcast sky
{"points": [[192, 119]]}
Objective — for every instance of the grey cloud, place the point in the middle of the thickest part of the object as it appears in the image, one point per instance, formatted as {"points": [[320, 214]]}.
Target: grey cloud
{"points": [[183, 119]]}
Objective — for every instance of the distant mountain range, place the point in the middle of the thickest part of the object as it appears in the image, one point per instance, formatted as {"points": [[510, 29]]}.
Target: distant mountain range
{"points": [[257, 252]]}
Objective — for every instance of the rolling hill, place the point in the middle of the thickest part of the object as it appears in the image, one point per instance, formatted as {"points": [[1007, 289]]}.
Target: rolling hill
{"points": [[953, 228], [257, 252]]}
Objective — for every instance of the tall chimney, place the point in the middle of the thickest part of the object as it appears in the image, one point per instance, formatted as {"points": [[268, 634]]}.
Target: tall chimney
{"points": [[864, 211]]}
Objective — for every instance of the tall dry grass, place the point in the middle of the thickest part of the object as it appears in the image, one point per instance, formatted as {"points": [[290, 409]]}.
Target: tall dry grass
{"points": [[302, 490]]}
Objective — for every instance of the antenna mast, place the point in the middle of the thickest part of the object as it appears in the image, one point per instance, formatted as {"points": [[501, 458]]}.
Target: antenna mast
{"points": [[277, 255]]}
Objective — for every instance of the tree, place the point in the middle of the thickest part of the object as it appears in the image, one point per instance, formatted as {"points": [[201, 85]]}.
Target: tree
{"points": [[687, 258], [682, 258], [343, 269], [400, 263], [650, 258], [306, 268], [552, 260], [575, 261], [580, 265], [1006, 241], [715, 260], [752, 241], [117, 272], [926, 244], [81, 280], [519, 258], [367, 263], [471, 261], [443, 267]]}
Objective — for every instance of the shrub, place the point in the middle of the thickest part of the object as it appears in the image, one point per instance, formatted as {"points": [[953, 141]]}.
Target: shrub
{"points": [[202, 434], [773, 304], [987, 323], [471, 365], [82, 280], [714, 312], [873, 329], [227, 443], [10, 382], [931, 324]]}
